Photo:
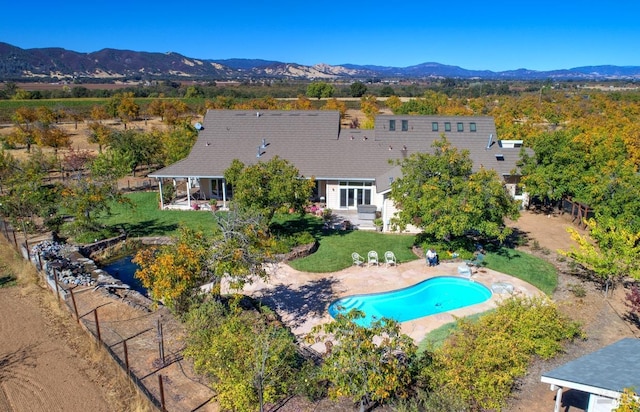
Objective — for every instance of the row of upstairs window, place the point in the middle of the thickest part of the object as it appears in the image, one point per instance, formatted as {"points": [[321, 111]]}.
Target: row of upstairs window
{"points": [[435, 126]]}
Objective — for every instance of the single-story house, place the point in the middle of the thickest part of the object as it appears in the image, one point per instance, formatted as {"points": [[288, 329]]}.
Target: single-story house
{"points": [[351, 166], [603, 375]]}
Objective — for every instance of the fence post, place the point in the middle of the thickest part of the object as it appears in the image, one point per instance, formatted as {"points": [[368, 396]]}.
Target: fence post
{"points": [[164, 408], [75, 308], [55, 282], [126, 354], [95, 316], [160, 342]]}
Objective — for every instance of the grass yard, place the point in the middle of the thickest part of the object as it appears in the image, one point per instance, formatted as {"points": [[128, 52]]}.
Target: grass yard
{"points": [[521, 265], [334, 253], [336, 247], [145, 218]]}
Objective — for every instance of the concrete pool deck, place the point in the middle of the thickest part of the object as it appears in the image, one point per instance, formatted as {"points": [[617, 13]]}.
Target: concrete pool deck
{"points": [[302, 298]]}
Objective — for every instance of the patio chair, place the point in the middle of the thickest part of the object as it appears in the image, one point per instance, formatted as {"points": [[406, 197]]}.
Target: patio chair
{"points": [[372, 258], [476, 261], [390, 259], [357, 259]]}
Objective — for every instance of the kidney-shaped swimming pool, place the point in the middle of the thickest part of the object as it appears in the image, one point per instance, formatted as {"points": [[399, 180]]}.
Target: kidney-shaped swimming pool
{"points": [[435, 295]]}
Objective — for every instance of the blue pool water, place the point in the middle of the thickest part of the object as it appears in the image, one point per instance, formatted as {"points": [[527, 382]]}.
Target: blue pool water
{"points": [[124, 269], [435, 295]]}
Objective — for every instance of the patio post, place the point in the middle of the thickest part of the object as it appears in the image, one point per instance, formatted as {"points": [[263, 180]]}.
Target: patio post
{"points": [[160, 187], [189, 192]]}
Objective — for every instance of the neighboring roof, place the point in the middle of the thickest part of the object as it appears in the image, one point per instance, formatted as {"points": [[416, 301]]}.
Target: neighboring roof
{"points": [[605, 372], [315, 144]]}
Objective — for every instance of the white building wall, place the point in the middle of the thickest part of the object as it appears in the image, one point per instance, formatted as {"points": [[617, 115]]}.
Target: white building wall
{"points": [[389, 210]]}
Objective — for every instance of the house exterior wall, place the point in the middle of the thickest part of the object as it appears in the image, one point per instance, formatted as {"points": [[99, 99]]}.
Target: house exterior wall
{"points": [[389, 210]]}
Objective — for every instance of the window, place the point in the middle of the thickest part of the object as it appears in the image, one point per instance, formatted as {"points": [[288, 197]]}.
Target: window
{"points": [[460, 126], [392, 125], [447, 126], [405, 125], [434, 126], [472, 127]]}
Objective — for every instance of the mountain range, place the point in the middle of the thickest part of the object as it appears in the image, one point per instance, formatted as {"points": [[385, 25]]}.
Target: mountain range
{"points": [[55, 63]]}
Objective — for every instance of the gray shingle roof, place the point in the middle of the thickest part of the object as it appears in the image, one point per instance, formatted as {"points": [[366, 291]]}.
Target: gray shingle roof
{"points": [[315, 144], [612, 368]]}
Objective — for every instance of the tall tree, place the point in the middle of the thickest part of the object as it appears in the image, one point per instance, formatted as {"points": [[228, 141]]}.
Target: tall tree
{"points": [[440, 194], [268, 187], [357, 89], [320, 90]]}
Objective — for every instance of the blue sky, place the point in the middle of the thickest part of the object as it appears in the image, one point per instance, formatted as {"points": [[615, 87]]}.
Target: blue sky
{"points": [[493, 35]]}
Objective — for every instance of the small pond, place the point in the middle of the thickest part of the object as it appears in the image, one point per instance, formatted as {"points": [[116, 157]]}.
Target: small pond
{"points": [[124, 270]]}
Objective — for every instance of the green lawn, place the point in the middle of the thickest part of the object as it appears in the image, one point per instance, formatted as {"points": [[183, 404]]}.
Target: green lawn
{"points": [[336, 247], [334, 253], [146, 219], [521, 265]]}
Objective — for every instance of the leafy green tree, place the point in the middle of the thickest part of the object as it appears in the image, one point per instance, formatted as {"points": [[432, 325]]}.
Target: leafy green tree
{"points": [[242, 250], [387, 91], [357, 89], [614, 254], [556, 168], [142, 148], [111, 166], [269, 187], [440, 194], [86, 199], [320, 90], [176, 143], [25, 194], [251, 359], [369, 364]]}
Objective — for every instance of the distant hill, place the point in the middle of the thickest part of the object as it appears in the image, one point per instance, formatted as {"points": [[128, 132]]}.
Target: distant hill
{"points": [[18, 64]]}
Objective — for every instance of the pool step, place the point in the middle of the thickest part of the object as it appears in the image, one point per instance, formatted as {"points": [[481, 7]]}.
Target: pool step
{"points": [[350, 303]]}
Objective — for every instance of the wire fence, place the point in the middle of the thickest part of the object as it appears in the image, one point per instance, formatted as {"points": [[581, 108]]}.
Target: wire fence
{"points": [[146, 344]]}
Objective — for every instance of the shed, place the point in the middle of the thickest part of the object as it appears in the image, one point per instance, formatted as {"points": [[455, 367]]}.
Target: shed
{"points": [[603, 374]]}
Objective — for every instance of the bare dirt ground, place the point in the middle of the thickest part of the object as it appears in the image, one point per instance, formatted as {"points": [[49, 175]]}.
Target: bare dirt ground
{"points": [[47, 363], [602, 316]]}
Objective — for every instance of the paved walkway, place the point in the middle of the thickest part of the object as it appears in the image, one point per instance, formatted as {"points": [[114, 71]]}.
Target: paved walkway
{"points": [[302, 298]]}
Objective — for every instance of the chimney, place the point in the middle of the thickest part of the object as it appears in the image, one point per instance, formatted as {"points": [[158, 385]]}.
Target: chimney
{"points": [[489, 142]]}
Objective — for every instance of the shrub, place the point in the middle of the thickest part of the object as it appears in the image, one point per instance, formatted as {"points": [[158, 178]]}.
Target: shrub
{"points": [[481, 360], [633, 299], [578, 290]]}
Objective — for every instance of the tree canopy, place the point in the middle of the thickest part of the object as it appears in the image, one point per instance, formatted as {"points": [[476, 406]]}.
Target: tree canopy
{"points": [[269, 187], [320, 90], [440, 194], [368, 363]]}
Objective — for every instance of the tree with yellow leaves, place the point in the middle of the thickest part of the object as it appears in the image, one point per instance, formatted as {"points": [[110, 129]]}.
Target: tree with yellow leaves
{"points": [[610, 251], [173, 273]]}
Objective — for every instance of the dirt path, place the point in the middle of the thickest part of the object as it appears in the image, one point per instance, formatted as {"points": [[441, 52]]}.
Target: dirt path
{"points": [[601, 316], [40, 368]]}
